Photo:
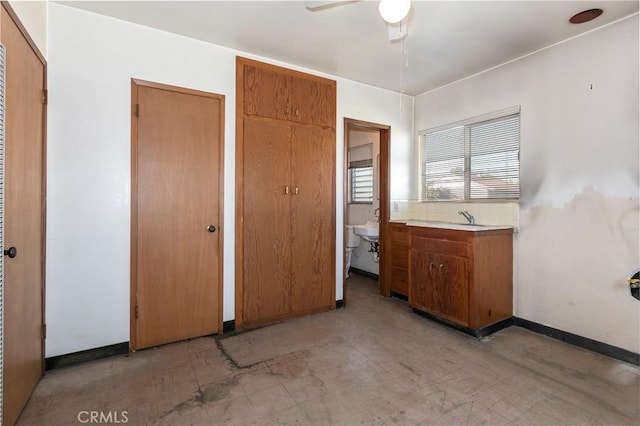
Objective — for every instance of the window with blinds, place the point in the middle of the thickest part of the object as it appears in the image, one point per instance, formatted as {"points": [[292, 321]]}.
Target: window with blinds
{"points": [[361, 183], [443, 165], [360, 159], [477, 160]]}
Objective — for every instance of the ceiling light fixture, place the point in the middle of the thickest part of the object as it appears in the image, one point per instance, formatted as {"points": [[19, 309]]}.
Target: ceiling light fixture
{"points": [[394, 11], [585, 16]]}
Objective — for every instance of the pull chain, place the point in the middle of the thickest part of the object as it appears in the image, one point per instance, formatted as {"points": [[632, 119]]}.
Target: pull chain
{"points": [[404, 56]]}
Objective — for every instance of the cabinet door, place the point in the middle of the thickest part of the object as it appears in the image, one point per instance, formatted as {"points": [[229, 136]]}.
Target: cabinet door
{"points": [[266, 93], [312, 225], [313, 102], [422, 290], [266, 227], [453, 288], [399, 281]]}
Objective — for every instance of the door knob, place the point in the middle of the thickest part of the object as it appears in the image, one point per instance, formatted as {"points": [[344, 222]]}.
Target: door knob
{"points": [[211, 228], [11, 252]]}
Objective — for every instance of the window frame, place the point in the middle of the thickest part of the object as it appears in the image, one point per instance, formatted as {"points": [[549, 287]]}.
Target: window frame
{"points": [[497, 115]]}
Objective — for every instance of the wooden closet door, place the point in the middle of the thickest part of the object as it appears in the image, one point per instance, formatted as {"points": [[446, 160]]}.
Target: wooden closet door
{"points": [[267, 234], [312, 219]]}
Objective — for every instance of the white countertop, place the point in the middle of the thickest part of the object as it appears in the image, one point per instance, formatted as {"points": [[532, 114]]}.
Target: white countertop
{"points": [[456, 226]]}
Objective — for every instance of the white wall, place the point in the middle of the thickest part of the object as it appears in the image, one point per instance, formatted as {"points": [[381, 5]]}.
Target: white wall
{"points": [[579, 209], [33, 15], [91, 61]]}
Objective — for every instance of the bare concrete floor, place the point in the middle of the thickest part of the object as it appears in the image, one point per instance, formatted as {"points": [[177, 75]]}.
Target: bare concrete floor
{"points": [[372, 363]]}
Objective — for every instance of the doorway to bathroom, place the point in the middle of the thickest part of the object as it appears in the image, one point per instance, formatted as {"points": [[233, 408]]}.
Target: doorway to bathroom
{"points": [[366, 200]]}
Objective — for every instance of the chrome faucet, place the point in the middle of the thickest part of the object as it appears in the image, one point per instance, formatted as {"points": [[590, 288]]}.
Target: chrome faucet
{"points": [[376, 213], [468, 216]]}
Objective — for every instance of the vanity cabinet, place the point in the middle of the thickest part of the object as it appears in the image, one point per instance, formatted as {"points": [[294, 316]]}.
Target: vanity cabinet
{"points": [[462, 277], [399, 265]]}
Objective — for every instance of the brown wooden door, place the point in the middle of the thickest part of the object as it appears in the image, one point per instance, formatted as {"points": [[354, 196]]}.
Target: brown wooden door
{"points": [[266, 93], [312, 225], [176, 259], [267, 212], [24, 225]]}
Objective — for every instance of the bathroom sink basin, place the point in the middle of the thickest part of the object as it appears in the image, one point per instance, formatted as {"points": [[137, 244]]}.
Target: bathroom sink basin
{"points": [[370, 231]]}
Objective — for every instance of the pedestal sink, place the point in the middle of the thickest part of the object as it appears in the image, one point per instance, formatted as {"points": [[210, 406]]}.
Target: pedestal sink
{"points": [[369, 231]]}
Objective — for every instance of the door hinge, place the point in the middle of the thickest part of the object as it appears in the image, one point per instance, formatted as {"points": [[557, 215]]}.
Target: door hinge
{"points": [[137, 112], [45, 96], [136, 313], [44, 331]]}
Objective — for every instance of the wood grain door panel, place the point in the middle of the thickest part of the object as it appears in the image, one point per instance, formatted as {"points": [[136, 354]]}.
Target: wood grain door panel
{"points": [[399, 255], [24, 226], [313, 102], [267, 212], [266, 93], [454, 288], [421, 280], [399, 281], [312, 226], [178, 147]]}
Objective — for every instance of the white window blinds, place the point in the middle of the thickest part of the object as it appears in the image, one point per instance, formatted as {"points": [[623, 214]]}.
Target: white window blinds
{"points": [[361, 184], [443, 164], [361, 174], [494, 158], [474, 160]]}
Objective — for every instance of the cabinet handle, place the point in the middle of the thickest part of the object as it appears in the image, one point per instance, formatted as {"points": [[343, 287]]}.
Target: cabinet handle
{"points": [[440, 268], [296, 190], [431, 265], [297, 112], [286, 190]]}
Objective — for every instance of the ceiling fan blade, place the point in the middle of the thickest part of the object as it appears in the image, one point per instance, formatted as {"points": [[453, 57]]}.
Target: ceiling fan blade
{"points": [[314, 5]]}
